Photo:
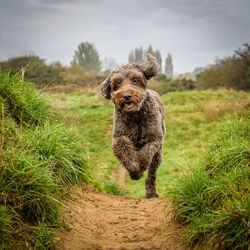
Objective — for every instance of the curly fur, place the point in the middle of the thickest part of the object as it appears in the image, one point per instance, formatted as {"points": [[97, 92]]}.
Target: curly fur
{"points": [[139, 126]]}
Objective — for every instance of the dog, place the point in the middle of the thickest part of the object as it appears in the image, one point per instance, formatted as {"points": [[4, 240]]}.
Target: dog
{"points": [[139, 126]]}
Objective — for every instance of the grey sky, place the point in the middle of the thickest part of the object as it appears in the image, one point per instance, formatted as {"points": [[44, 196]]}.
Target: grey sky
{"points": [[195, 32]]}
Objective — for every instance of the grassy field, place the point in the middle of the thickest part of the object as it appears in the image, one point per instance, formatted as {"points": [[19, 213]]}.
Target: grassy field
{"points": [[192, 119], [49, 142], [206, 154]]}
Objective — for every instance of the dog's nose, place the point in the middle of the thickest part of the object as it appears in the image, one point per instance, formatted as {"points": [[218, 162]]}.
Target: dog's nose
{"points": [[127, 96]]}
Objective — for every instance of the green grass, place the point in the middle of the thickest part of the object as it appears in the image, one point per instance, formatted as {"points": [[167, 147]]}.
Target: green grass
{"points": [[40, 157], [212, 203], [92, 116], [213, 197], [45, 150], [21, 102], [191, 119]]}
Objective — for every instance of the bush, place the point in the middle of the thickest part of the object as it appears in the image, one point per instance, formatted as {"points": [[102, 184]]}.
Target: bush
{"points": [[213, 198], [230, 72], [34, 69], [164, 86]]}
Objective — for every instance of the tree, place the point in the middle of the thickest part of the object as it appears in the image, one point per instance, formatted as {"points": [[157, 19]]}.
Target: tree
{"points": [[226, 73], [169, 71], [87, 56], [229, 72], [109, 64], [244, 55], [150, 50], [157, 54], [35, 69], [139, 55]]}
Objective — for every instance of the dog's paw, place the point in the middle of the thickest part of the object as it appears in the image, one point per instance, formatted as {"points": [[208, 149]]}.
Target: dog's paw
{"points": [[135, 175], [148, 196]]}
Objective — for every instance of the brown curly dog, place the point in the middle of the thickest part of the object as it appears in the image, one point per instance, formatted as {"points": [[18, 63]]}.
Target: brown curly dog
{"points": [[139, 126]]}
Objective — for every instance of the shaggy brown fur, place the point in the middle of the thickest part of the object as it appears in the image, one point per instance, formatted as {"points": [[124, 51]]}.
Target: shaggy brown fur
{"points": [[138, 120]]}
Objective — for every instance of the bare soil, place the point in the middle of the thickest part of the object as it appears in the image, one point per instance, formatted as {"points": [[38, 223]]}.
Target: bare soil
{"points": [[101, 221]]}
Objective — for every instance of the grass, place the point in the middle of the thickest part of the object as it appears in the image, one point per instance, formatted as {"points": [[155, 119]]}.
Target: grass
{"points": [[189, 122], [213, 197], [21, 102], [41, 154], [92, 116], [40, 157]]}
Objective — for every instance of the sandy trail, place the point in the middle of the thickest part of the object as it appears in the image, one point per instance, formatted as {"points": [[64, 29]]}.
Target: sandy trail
{"points": [[102, 221]]}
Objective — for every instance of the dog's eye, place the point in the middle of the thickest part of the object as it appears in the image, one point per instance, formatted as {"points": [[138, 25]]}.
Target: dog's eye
{"points": [[117, 82], [115, 87], [134, 80]]}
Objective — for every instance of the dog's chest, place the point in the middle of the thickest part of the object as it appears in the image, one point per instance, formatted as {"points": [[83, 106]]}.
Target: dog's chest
{"points": [[137, 129]]}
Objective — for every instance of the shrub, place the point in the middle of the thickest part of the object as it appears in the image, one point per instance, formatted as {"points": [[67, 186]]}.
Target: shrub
{"points": [[34, 69], [230, 72], [213, 197], [165, 86]]}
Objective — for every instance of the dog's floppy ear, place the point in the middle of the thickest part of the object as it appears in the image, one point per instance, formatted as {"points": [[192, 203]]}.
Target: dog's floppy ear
{"points": [[106, 89], [151, 68]]}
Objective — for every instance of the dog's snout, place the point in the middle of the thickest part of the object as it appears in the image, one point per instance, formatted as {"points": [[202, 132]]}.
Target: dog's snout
{"points": [[127, 96]]}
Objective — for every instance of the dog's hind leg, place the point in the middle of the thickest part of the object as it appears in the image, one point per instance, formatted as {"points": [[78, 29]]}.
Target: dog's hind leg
{"points": [[125, 151], [151, 178]]}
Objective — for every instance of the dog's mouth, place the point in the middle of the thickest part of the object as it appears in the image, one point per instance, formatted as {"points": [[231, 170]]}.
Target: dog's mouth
{"points": [[129, 105]]}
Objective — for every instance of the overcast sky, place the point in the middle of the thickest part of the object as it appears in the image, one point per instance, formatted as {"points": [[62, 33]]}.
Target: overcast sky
{"points": [[195, 32]]}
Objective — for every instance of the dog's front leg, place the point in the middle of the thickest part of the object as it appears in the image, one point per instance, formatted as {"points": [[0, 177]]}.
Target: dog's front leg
{"points": [[147, 153], [125, 151]]}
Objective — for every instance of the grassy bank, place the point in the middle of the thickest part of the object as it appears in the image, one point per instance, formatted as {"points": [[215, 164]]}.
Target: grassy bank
{"points": [[40, 157], [213, 197]]}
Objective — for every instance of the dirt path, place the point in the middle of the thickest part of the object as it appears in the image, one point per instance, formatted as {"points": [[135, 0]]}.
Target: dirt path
{"points": [[101, 221], [118, 175]]}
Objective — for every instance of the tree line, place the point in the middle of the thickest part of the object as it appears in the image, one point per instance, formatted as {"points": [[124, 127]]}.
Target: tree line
{"points": [[86, 69], [139, 55], [87, 56]]}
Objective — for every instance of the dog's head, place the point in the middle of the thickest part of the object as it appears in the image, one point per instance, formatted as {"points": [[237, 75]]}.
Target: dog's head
{"points": [[127, 86]]}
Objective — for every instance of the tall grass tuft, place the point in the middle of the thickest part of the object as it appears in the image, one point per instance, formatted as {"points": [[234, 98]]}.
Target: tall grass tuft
{"points": [[22, 102], [61, 148], [39, 159], [213, 198]]}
